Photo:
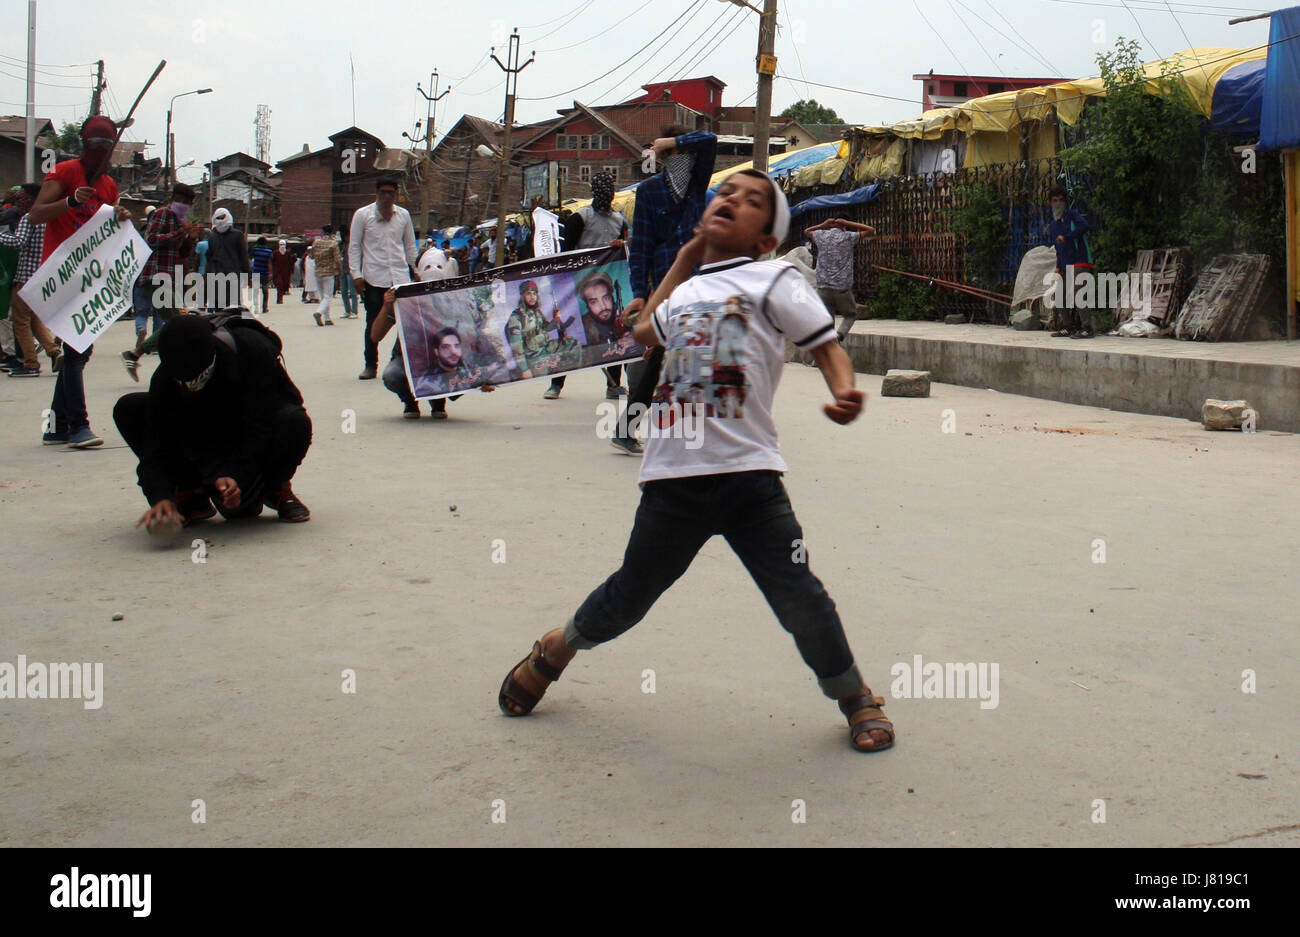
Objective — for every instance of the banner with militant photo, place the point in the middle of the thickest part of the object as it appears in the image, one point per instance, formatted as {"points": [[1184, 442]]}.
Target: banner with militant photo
{"points": [[537, 318]]}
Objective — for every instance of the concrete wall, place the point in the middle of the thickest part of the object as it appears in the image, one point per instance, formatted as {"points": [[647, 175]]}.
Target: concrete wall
{"points": [[1136, 383]]}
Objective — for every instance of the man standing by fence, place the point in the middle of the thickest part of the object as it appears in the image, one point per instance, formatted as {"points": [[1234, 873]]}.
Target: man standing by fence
{"points": [[836, 239]]}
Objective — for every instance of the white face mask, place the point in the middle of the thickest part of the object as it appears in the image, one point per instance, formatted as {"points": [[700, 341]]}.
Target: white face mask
{"points": [[221, 224]]}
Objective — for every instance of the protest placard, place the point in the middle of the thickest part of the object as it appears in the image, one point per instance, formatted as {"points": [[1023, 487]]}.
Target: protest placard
{"points": [[536, 318], [85, 285]]}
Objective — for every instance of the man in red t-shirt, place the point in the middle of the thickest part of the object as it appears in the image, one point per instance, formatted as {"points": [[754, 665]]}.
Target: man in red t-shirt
{"points": [[71, 194]]}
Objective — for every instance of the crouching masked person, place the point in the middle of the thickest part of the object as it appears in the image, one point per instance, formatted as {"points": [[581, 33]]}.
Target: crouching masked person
{"points": [[222, 427]]}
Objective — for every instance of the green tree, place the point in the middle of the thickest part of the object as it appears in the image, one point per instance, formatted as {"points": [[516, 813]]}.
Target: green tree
{"points": [[982, 221], [1141, 146], [68, 138], [810, 112]]}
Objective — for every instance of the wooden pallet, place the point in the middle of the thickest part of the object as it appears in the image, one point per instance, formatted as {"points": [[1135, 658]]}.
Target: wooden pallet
{"points": [[1169, 269], [1223, 301]]}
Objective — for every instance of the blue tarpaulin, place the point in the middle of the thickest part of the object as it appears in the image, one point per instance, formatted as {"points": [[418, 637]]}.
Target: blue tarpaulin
{"points": [[857, 197], [1279, 125], [1238, 99]]}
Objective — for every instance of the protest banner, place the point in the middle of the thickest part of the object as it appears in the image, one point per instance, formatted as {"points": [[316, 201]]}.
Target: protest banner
{"points": [[85, 285], [537, 318]]}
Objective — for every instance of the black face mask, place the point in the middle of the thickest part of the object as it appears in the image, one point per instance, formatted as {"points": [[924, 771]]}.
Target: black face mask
{"points": [[201, 381]]}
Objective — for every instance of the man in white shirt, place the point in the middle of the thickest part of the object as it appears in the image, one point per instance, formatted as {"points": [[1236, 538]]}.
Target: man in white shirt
{"points": [[381, 253]]}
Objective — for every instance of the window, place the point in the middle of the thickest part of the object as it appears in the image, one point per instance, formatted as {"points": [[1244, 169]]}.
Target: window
{"points": [[996, 88], [959, 88], [612, 170], [584, 173]]}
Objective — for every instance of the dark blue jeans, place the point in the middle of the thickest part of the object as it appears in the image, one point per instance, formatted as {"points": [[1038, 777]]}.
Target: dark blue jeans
{"points": [[751, 510], [69, 403]]}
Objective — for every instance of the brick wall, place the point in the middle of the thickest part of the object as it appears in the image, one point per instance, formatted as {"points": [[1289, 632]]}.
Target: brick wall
{"points": [[306, 196]]}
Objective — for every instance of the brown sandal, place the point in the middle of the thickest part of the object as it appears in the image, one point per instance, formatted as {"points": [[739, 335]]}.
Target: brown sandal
{"points": [[864, 714], [512, 691]]}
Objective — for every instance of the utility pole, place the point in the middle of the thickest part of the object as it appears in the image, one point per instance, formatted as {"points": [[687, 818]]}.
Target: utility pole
{"points": [[503, 172], [430, 114], [29, 167], [766, 71], [99, 88], [464, 192]]}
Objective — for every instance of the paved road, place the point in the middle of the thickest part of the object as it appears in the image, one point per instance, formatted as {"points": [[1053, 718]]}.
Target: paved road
{"points": [[1119, 681]]}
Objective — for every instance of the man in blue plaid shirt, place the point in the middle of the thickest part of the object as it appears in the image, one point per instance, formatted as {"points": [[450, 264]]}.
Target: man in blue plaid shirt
{"points": [[668, 207], [170, 237], [28, 239]]}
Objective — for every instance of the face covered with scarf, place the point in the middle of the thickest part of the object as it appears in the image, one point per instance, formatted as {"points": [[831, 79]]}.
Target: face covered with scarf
{"points": [[678, 168], [188, 348], [602, 192], [98, 135], [222, 220]]}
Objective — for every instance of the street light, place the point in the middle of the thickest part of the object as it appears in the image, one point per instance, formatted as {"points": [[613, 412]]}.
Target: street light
{"points": [[171, 170]]}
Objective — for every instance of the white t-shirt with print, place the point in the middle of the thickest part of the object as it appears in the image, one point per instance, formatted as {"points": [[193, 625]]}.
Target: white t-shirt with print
{"points": [[724, 333]]}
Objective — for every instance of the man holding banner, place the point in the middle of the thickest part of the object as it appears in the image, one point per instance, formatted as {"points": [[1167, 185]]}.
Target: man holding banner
{"points": [[79, 194]]}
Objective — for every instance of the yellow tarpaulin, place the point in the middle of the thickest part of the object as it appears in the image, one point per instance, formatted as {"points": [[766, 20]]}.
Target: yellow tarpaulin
{"points": [[985, 118]]}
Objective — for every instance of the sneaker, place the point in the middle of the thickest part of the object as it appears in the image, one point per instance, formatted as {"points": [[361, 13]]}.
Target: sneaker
{"points": [[552, 392], [132, 362], [316, 316], [287, 505], [367, 375], [56, 360], [54, 439], [25, 372], [84, 438], [627, 445], [10, 363], [412, 410], [329, 321], [1086, 333], [1063, 333], [613, 393]]}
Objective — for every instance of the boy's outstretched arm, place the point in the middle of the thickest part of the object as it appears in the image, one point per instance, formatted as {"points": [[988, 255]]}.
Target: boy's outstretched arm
{"points": [[837, 369]]}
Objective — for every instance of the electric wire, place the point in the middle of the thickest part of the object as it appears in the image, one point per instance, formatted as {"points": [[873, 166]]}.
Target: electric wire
{"points": [[565, 94]]}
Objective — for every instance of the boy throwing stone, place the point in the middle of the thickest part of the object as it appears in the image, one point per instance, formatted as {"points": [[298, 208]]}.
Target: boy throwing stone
{"points": [[731, 484]]}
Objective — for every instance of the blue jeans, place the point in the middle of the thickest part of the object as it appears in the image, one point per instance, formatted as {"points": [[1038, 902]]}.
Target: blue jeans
{"points": [[349, 293], [752, 511], [69, 403], [142, 303]]}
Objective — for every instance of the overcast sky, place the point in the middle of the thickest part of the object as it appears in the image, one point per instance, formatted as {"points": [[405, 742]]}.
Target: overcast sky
{"points": [[294, 56]]}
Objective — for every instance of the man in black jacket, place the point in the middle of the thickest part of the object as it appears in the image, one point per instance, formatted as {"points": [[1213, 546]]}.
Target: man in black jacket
{"points": [[222, 422], [228, 260]]}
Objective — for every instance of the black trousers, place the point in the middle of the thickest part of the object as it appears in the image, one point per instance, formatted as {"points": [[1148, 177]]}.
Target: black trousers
{"points": [[373, 299], [676, 517], [287, 447]]}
